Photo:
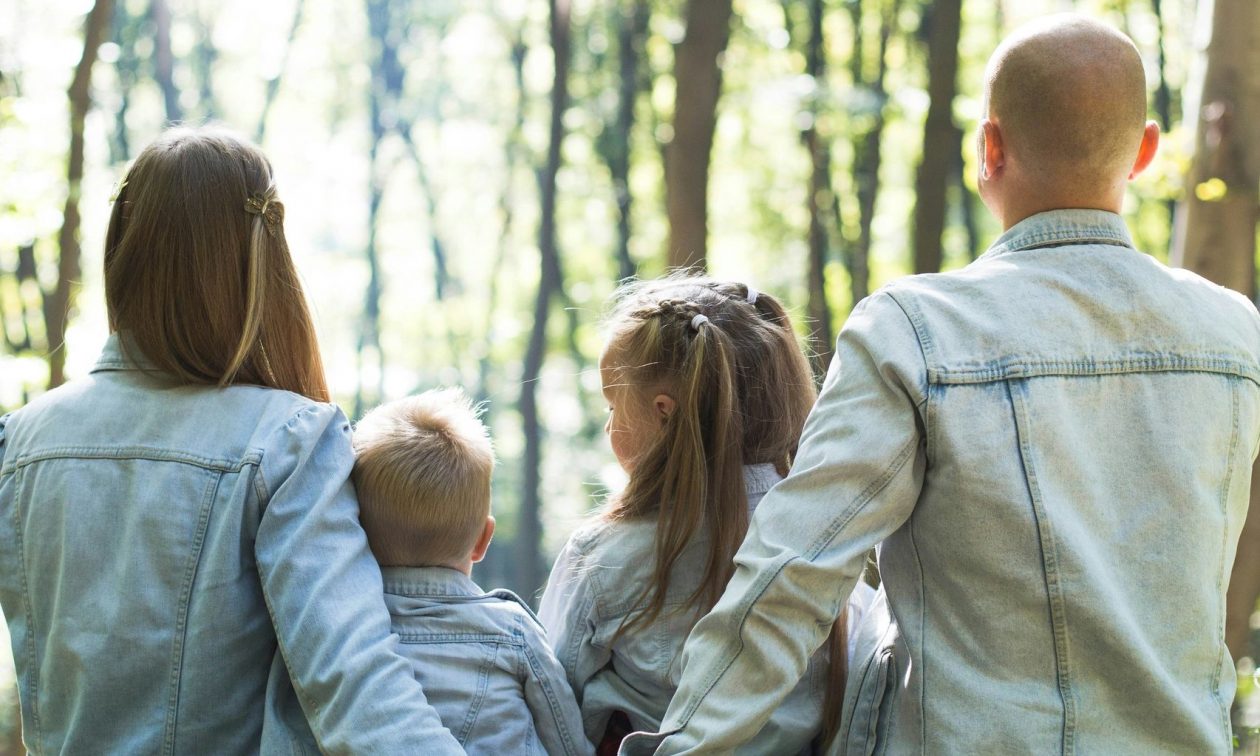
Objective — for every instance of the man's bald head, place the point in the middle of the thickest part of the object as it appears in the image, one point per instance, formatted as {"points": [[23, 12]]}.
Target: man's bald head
{"points": [[1069, 96]]}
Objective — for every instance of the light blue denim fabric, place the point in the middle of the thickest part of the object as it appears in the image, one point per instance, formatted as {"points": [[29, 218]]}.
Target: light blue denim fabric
{"points": [[484, 663], [183, 571], [1054, 446], [595, 586]]}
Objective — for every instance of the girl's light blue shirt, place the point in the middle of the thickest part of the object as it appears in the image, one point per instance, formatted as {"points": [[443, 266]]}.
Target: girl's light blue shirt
{"points": [[594, 587]]}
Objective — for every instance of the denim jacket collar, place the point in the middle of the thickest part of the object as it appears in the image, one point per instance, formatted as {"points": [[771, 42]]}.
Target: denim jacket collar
{"points": [[1055, 228], [423, 582], [114, 358]]}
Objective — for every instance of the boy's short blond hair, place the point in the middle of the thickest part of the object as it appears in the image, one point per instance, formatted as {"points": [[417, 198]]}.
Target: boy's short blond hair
{"points": [[422, 471]]}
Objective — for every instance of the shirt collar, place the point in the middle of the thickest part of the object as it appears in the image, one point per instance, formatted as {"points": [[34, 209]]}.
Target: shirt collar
{"points": [[760, 478], [428, 581], [114, 357], [1055, 228]]}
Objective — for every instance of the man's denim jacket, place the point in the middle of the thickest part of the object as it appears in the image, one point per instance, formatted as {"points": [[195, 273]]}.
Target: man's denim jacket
{"points": [[1054, 446], [183, 571], [484, 663], [595, 586]]}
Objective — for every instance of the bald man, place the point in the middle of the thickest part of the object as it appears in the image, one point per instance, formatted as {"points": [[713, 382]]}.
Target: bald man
{"points": [[1052, 448]]}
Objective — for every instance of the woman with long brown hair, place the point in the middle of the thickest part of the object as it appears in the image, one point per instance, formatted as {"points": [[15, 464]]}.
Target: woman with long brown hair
{"points": [[181, 562]]}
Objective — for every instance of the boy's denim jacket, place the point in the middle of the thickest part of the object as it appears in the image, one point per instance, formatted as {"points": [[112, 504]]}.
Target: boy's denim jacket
{"points": [[595, 586], [484, 663], [1054, 446], [182, 570]]}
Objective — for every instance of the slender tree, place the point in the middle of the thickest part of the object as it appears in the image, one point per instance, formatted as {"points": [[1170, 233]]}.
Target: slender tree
{"points": [[58, 306], [943, 21], [824, 222], [1216, 223], [868, 143], [164, 59], [698, 83], [630, 22], [529, 527]]}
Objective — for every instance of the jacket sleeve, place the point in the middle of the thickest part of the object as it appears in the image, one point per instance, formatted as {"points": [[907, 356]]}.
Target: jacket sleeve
{"points": [[568, 611], [855, 480], [325, 595], [550, 699]]}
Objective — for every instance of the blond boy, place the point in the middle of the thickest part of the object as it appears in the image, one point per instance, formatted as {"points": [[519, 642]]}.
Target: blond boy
{"points": [[422, 471]]}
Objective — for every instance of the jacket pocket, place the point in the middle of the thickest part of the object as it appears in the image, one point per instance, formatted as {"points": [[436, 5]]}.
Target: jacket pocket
{"points": [[867, 730]]}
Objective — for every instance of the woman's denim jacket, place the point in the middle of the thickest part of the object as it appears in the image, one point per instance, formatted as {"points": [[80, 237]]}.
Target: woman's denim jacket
{"points": [[484, 663], [1054, 446], [183, 571], [595, 586]]}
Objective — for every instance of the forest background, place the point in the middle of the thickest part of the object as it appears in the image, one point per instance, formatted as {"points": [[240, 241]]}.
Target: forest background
{"points": [[466, 181]]}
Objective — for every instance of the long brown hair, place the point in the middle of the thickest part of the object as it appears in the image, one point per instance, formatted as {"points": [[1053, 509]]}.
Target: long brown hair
{"points": [[198, 275], [743, 388]]}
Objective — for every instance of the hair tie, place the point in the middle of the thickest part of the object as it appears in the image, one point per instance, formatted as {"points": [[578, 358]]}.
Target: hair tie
{"points": [[752, 295], [698, 320], [267, 207]]}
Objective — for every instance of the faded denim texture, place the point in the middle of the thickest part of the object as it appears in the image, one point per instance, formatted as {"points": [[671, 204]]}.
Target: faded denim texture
{"points": [[1054, 446], [595, 586], [183, 571], [484, 663]]}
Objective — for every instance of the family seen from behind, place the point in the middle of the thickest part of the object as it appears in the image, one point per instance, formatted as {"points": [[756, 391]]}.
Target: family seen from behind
{"points": [[1050, 451]]}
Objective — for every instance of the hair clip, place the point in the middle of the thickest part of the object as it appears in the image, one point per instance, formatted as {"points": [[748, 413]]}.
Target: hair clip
{"points": [[267, 208], [698, 320], [752, 295]]}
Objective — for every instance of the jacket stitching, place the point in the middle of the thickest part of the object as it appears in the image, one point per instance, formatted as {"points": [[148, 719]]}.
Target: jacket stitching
{"points": [[1014, 370], [131, 453], [1050, 568], [181, 616], [32, 629], [544, 682], [1220, 573]]}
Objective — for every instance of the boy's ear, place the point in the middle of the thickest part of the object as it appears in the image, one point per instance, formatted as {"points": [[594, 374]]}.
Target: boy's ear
{"points": [[483, 543], [665, 405]]}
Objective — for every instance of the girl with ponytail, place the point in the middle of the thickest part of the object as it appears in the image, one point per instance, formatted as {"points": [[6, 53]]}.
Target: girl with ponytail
{"points": [[707, 392]]}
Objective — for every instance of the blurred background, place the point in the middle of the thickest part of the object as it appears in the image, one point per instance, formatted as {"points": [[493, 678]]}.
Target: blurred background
{"points": [[466, 181]]}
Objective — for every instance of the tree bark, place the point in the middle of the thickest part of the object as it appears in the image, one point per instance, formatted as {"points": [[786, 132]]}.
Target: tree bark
{"points": [[698, 84], [867, 146], [940, 136], [631, 19], [1216, 225], [530, 571], [824, 224], [164, 60], [57, 307]]}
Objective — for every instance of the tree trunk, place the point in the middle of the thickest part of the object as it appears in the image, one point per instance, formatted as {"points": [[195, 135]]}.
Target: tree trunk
{"points": [[164, 60], [57, 307], [1216, 226], [530, 570], [823, 224], [867, 155], [698, 83], [631, 19], [940, 136]]}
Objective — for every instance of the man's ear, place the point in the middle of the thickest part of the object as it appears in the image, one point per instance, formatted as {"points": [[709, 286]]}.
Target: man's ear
{"points": [[665, 406], [992, 149], [483, 542], [1146, 151]]}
